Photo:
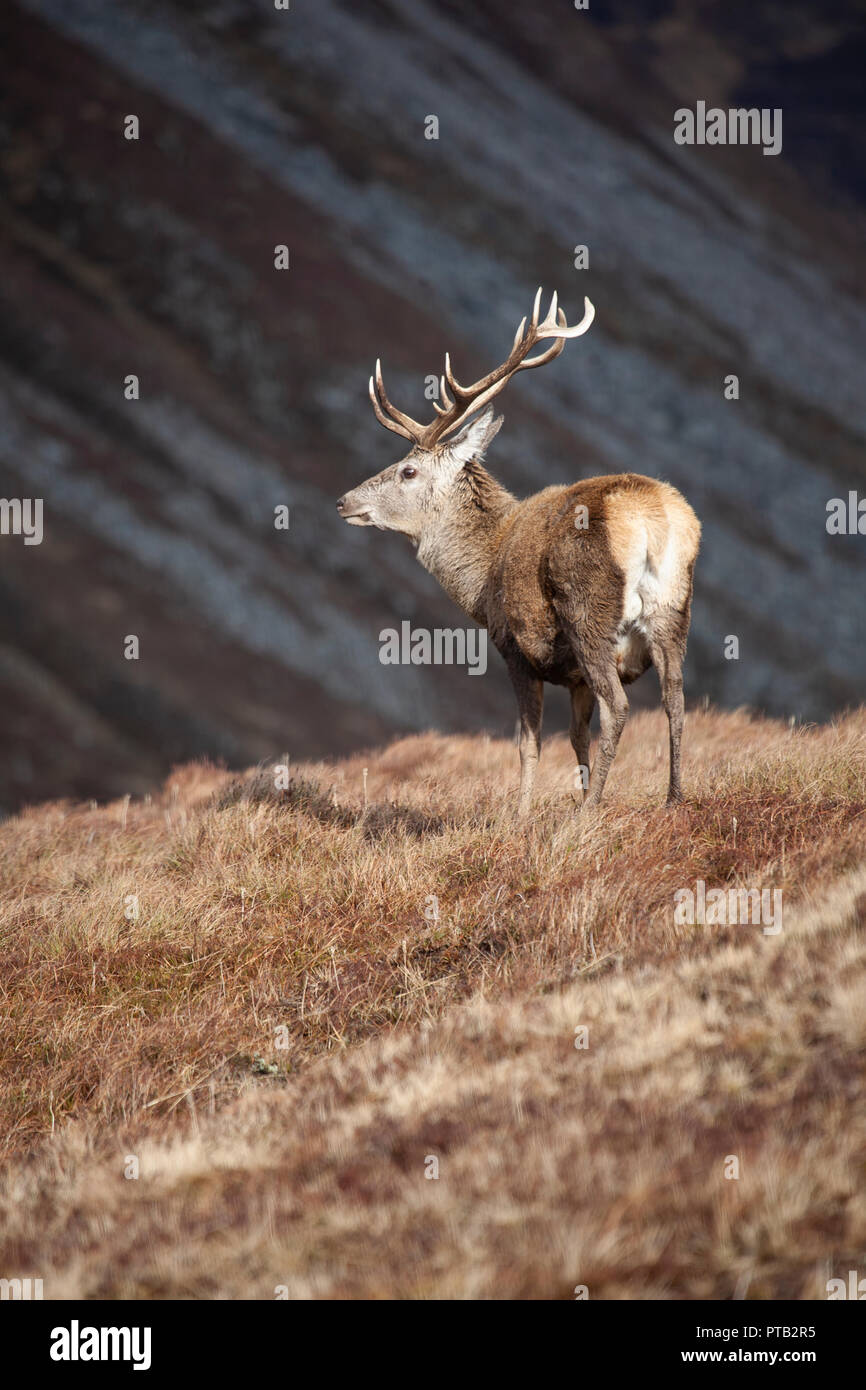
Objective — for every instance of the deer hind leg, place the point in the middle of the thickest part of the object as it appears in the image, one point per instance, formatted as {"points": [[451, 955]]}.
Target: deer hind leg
{"points": [[667, 658], [530, 700], [582, 706], [613, 710]]}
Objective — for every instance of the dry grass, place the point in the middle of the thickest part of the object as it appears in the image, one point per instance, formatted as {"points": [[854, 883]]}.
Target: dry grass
{"points": [[286, 1031]]}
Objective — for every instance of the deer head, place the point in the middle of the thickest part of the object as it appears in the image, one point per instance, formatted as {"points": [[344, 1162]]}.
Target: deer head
{"points": [[412, 493]]}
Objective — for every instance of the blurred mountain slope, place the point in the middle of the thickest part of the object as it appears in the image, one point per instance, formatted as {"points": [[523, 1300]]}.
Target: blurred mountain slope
{"points": [[306, 128]]}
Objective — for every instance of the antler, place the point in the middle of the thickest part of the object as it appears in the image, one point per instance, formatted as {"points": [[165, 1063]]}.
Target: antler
{"points": [[468, 399]]}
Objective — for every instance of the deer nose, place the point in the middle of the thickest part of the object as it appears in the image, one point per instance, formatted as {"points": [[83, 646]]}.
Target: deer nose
{"points": [[341, 502]]}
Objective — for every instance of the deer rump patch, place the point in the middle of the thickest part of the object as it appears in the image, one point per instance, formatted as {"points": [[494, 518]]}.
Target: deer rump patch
{"points": [[619, 575]]}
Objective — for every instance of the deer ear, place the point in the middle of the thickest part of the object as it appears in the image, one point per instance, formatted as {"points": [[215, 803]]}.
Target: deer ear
{"points": [[475, 437]]}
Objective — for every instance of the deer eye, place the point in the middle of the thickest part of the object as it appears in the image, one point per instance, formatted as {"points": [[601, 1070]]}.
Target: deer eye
{"points": [[408, 471]]}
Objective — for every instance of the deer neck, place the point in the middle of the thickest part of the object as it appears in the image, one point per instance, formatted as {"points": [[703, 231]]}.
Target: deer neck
{"points": [[459, 547]]}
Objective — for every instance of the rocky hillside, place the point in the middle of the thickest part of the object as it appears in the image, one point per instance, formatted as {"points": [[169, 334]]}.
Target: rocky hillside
{"points": [[155, 258]]}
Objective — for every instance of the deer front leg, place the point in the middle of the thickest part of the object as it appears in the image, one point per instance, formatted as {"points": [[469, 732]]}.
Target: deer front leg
{"points": [[530, 700]]}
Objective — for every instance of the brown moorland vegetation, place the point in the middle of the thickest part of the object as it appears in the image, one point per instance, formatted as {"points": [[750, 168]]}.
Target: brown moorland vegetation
{"points": [[285, 1004]]}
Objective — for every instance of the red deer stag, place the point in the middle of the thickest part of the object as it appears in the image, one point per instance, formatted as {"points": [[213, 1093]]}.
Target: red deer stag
{"points": [[584, 585]]}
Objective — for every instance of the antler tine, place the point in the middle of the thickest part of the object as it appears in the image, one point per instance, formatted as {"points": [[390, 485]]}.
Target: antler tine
{"points": [[535, 308], [547, 356], [394, 419], [412, 429], [576, 329], [383, 418], [518, 337], [448, 404], [449, 376], [550, 320]]}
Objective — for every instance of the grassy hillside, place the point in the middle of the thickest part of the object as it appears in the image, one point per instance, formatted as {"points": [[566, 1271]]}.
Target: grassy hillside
{"points": [[285, 1004]]}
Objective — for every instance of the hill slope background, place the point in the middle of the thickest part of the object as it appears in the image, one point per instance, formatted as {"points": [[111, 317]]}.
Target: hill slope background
{"points": [[306, 128], [285, 1005]]}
